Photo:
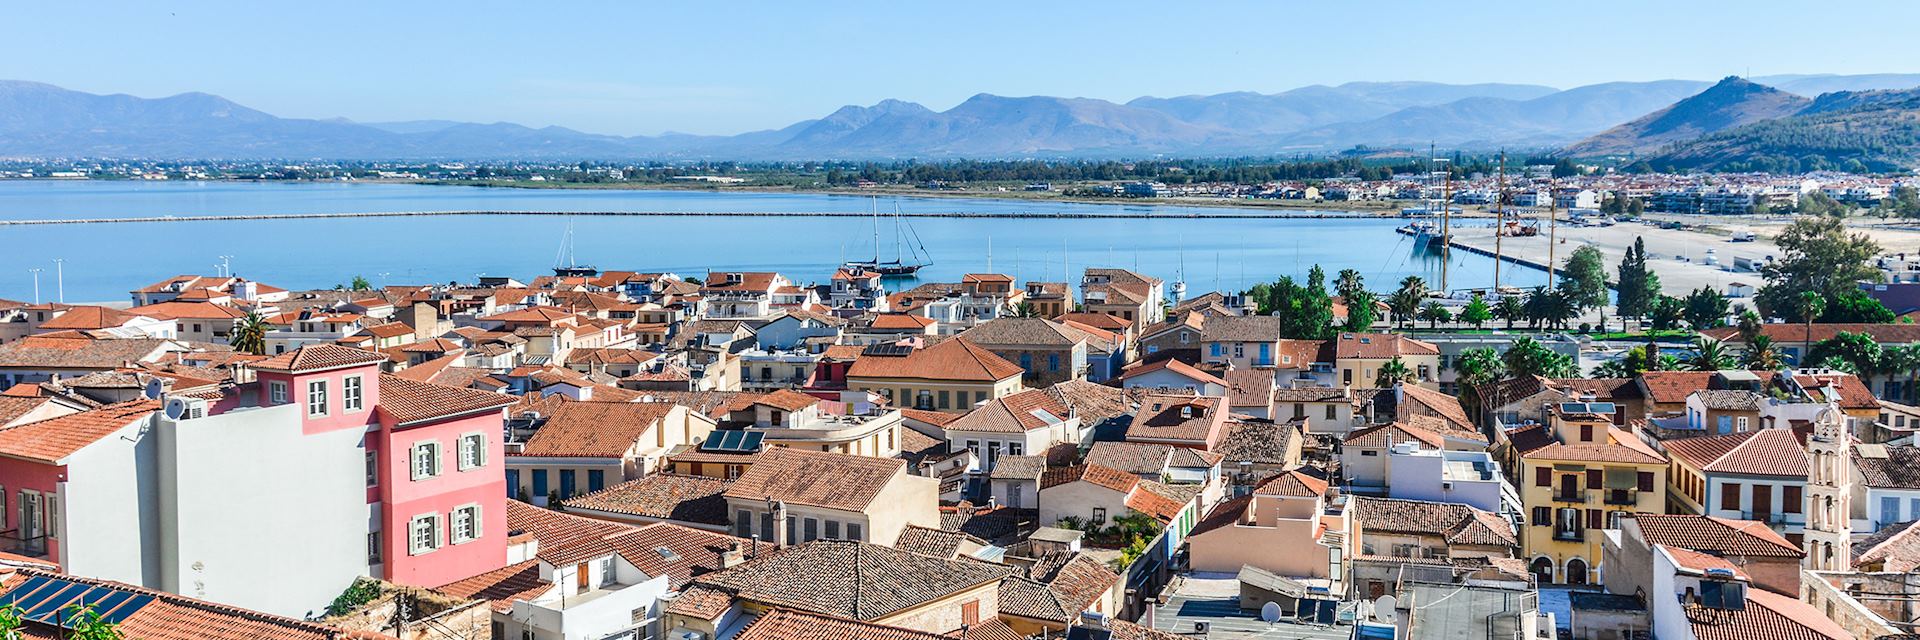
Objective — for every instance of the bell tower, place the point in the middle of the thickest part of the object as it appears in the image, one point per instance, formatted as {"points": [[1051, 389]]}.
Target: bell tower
{"points": [[1829, 490]]}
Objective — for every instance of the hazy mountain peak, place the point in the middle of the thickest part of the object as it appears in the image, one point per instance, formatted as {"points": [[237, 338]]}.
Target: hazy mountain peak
{"points": [[1731, 102]]}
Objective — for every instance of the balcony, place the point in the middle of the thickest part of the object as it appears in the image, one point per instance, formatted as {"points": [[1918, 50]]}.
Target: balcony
{"points": [[32, 547], [1574, 497], [1764, 516], [1622, 496], [1575, 535]]}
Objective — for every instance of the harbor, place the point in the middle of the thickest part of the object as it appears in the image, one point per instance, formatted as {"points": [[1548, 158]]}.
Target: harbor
{"points": [[1684, 259]]}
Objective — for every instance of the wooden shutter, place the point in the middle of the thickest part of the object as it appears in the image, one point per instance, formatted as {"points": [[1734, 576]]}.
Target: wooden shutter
{"points": [[1593, 478], [1543, 476], [1790, 497], [1730, 496], [1646, 481], [1595, 519]]}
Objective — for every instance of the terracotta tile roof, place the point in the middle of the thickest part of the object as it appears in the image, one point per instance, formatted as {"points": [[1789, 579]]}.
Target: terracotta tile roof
{"points": [[1729, 399], [955, 359], [1887, 333], [1444, 406], [1673, 387], [1132, 457], [1457, 523], [1024, 332], [412, 401], [1767, 452], [900, 321], [51, 441], [986, 524], [787, 400], [705, 603], [1293, 484], [1095, 403], [1603, 389], [697, 499], [849, 579], [1894, 548], [1383, 436], [176, 617], [431, 370], [1161, 419], [88, 317], [14, 407], [938, 543], [1027, 468], [816, 478], [1108, 477], [177, 309], [1768, 616], [500, 587], [1183, 369], [75, 350], [553, 528], [788, 624], [1163, 502], [1257, 441], [595, 429], [1620, 447], [1847, 389], [936, 418], [1029, 410], [1721, 536], [315, 357]]}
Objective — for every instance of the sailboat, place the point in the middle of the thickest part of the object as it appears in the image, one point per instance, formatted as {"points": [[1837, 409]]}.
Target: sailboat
{"points": [[900, 264], [565, 265]]}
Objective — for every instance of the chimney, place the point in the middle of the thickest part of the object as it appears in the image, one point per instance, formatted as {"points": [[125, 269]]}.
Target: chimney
{"points": [[780, 533]]}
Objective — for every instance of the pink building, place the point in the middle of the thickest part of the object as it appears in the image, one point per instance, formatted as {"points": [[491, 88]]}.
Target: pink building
{"points": [[359, 473]]}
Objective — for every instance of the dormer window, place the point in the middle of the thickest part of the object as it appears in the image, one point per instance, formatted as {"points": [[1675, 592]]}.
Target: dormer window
{"points": [[1186, 411]]}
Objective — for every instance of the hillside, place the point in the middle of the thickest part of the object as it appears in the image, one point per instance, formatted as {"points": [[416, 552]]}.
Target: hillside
{"points": [[1730, 103], [1484, 122], [1856, 131]]}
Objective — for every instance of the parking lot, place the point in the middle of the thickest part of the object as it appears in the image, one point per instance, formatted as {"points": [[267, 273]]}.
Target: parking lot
{"points": [[1217, 603]]}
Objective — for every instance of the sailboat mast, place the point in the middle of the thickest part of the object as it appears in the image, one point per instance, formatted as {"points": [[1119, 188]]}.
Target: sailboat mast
{"points": [[875, 202], [1446, 228], [1499, 221], [1553, 230]]}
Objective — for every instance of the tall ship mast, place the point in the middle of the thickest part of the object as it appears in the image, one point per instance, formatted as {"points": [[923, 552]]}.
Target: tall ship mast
{"points": [[565, 264], [907, 259]]}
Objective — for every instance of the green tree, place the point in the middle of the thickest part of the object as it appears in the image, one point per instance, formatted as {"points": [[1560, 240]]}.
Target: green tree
{"points": [[1405, 301], [250, 334], [1750, 326], [1511, 308], [1818, 256], [1855, 306], [1305, 311], [1708, 355], [1360, 312], [1435, 313], [1476, 313], [1705, 308], [1810, 304], [1392, 372], [1349, 283], [1761, 355], [360, 284], [1585, 278], [1859, 350], [1026, 310], [1474, 368], [1638, 285], [1527, 356], [1666, 313]]}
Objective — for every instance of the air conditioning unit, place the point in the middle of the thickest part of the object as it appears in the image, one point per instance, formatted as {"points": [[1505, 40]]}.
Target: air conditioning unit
{"points": [[1446, 485], [184, 408]]}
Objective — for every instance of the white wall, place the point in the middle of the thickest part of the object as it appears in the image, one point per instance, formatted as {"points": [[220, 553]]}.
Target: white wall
{"points": [[256, 514], [111, 494]]}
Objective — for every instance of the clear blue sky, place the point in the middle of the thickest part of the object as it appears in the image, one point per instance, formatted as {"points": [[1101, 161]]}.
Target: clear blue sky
{"points": [[726, 67]]}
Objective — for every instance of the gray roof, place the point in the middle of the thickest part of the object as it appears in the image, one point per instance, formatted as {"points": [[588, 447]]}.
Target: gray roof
{"points": [[1024, 332], [1131, 457], [1019, 468], [1242, 329], [1729, 400]]}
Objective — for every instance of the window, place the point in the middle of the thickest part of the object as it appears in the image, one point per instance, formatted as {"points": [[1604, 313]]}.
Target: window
{"points": [[810, 530], [373, 548], [596, 480], [473, 451], [423, 534], [970, 612], [1053, 362], [1730, 497], [1644, 480], [833, 529], [350, 394], [855, 531], [373, 468], [426, 460], [276, 392], [317, 398], [466, 523], [1614, 518], [944, 396], [1543, 476], [1790, 499], [1100, 514], [566, 483], [1331, 412], [606, 571], [1740, 424], [539, 483], [742, 523], [1586, 433], [1542, 517], [1015, 448]]}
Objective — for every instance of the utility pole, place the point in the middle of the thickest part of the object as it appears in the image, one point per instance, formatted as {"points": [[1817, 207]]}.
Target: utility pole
{"points": [[36, 284], [1446, 226], [60, 278]]}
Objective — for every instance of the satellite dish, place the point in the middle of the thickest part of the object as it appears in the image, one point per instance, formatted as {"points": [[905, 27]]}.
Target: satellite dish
{"points": [[1270, 612], [1383, 609]]}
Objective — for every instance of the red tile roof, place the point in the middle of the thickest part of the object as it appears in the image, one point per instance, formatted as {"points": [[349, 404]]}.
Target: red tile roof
{"points": [[411, 401], [51, 441], [1768, 616], [1723, 536], [1293, 484], [816, 478], [88, 317], [1175, 365], [175, 617], [955, 359], [595, 429], [1767, 452], [500, 587], [316, 357], [1099, 475]]}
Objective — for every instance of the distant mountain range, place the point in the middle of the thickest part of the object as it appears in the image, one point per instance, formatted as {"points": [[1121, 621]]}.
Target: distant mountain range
{"points": [[1846, 130], [44, 121]]}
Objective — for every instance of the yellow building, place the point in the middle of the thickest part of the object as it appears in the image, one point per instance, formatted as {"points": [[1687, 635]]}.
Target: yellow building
{"points": [[1357, 358], [1578, 475], [951, 376]]}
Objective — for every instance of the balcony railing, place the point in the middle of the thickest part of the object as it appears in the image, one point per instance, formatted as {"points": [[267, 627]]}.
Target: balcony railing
{"points": [[1569, 536], [1623, 496], [1575, 497], [30, 546]]}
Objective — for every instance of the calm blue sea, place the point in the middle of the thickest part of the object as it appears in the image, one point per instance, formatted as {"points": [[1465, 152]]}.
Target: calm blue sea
{"points": [[103, 262]]}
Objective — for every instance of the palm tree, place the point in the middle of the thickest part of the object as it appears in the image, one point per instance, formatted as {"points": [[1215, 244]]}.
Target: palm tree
{"points": [[1750, 326], [1709, 355], [1473, 368], [1405, 301], [1392, 372], [1811, 305], [1510, 309], [1905, 359], [1761, 355], [250, 334], [1348, 283], [1435, 313]]}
